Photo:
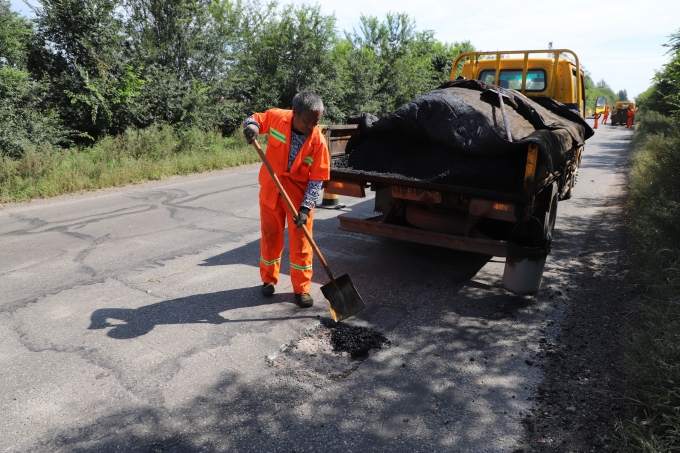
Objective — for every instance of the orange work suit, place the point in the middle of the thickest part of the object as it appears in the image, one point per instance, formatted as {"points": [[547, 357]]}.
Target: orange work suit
{"points": [[312, 162], [631, 115], [606, 115]]}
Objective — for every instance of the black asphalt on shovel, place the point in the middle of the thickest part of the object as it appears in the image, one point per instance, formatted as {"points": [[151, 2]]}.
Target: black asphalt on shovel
{"points": [[342, 296]]}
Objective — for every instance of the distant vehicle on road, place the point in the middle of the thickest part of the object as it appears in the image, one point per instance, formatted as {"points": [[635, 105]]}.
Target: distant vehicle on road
{"points": [[620, 112]]}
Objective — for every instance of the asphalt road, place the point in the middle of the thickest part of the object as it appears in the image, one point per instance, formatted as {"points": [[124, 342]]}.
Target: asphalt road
{"points": [[131, 320]]}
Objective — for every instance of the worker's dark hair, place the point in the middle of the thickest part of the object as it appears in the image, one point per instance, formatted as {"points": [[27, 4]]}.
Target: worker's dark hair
{"points": [[306, 100]]}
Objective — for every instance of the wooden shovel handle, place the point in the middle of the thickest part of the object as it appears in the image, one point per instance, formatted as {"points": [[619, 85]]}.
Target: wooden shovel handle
{"points": [[283, 193]]}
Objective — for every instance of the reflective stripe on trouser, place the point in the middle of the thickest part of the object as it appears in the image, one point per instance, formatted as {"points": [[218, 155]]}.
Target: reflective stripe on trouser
{"points": [[271, 246]]}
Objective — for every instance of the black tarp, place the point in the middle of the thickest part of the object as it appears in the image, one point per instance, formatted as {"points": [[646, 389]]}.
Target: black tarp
{"points": [[456, 135]]}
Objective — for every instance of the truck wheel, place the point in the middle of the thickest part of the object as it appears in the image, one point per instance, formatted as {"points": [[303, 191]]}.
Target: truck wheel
{"points": [[547, 210], [572, 181], [550, 219]]}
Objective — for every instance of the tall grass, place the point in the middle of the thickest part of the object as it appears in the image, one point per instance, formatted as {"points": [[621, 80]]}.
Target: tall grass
{"points": [[133, 157], [653, 354]]}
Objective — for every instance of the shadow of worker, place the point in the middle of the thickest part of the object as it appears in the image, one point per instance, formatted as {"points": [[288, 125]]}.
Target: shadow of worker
{"points": [[130, 323]]}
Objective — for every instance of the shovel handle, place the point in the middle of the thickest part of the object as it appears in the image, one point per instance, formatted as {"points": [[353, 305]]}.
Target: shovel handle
{"points": [[292, 209]]}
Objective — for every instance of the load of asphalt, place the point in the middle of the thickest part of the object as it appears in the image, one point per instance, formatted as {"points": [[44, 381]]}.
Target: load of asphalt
{"points": [[455, 135], [356, 340], [404, 156]]}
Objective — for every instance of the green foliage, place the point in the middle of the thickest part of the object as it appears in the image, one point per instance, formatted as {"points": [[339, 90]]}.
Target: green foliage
{"points": [[80, 52], [594, 90], [623, 95], [291, 52], [389, 63], [653, 355], [106, 65], [24, 120], [664, 94], [131, 157], [15, 35]]}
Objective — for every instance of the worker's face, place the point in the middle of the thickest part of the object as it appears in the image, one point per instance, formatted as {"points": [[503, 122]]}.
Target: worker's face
{"points": [[306, 122]]}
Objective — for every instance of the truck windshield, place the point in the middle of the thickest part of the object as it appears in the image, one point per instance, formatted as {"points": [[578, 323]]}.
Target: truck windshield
{"points": [[512, 78]]}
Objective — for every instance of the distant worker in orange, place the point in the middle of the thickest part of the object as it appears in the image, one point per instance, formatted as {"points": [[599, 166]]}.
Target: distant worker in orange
{"points": [[299, 156], [606, 114], [597, 117], [631, 116]]}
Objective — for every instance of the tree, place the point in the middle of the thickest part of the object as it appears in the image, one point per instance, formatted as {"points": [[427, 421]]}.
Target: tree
{"points": [[623, 95], [24, 119], [15, 35], [391, 63], [595, 90], [79, 50], [664, 94], [287, 51]]}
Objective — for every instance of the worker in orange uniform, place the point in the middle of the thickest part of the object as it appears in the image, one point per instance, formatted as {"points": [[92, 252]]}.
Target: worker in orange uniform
{"points": [[299, 156], [597, 117], [606, 114], [631, 116]]}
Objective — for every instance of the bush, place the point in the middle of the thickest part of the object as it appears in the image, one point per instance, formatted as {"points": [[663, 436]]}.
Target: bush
{"points": [[653, 356], [24, 123], [135, 156]]}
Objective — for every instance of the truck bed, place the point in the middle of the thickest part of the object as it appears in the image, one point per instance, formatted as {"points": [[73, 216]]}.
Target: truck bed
{"points": [[454, 136]]}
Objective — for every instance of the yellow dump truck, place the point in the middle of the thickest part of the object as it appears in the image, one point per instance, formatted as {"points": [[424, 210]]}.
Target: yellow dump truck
{"points": [[600, 104], [477, 164], [620, 112]]}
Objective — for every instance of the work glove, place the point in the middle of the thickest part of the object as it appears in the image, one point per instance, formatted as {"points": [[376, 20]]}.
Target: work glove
{"points": [[250, 132], [301, 219]]}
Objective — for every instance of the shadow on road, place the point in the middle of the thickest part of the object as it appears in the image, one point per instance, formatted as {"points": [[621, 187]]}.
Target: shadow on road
{"points": [[196, 309]]}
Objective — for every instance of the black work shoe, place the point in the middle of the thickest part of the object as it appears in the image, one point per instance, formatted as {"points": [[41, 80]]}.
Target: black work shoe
{"points": [[268, 289], [304, 300]]}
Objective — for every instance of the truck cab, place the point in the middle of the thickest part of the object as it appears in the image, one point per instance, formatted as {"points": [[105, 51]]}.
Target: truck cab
{"points": [[552, 73]]}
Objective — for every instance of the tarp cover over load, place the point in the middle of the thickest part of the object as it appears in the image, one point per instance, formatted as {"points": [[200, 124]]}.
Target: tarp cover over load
{"points": [[456, 135]]}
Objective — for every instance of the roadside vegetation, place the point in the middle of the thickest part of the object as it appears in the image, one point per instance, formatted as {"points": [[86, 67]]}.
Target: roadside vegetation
{"points": [[601, 88], [86, 84], [131, 157], [653, 355]]}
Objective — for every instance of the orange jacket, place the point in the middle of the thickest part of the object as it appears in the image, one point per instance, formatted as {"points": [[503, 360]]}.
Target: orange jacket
{"points": [[631, 113], [312, 162]]}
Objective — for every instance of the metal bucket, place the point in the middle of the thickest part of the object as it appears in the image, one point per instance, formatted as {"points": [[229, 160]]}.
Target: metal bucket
{"points": [[524, 264]]}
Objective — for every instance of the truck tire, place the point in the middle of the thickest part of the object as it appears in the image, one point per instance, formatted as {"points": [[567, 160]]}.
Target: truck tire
{"points": [[572, 181], [547, 210], [441, 221]]}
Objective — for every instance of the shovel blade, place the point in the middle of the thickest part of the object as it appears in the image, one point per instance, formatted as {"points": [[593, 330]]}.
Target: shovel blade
{"points": [[343, 299]]}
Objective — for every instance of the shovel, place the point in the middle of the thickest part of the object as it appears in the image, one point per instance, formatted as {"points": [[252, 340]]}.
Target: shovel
{"points": [[342, 296]]}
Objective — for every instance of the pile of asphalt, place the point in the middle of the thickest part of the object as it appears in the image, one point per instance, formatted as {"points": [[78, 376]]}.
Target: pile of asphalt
{"points": [[404, 156], [355, 340]]}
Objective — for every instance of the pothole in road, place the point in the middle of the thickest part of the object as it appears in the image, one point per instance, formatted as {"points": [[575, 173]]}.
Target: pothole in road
{"points": [[332, 351]]}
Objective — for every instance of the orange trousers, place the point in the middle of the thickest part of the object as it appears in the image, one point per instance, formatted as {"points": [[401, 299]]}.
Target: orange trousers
{"points": [[273, 224]]}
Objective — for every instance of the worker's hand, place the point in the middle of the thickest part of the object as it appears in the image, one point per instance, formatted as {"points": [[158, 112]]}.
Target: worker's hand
{"points": [[303, 215], [250, 132]]}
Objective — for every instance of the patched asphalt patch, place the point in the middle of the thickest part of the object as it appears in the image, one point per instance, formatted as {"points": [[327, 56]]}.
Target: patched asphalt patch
{"points": [[357, 341], [331, 351]]}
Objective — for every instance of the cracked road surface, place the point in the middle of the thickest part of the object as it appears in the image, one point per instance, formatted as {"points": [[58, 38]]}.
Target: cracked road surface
{"points": [[131, 320]]}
